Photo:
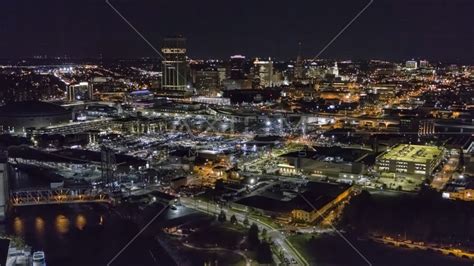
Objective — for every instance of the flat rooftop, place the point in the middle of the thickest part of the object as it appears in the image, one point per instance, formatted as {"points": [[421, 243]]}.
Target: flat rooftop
{"points": [[319, 194], [334, 153], [412, 153]]}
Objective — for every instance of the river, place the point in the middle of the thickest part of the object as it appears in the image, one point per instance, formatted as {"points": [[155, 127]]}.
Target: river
{"points": [[88, 234]]}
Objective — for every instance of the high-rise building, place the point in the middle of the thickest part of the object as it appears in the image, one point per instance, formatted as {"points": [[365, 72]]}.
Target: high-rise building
{"points": [[263, 73], [207, 82], [299, 68], [237, 78], [335, 70], [237, 63], [424, 64], [411, 64], [82, 91], [222, 74], [174, 65]]}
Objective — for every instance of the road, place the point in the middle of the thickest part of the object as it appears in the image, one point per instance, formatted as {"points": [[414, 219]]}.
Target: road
{"points": [[444, 176], [277, 236]]}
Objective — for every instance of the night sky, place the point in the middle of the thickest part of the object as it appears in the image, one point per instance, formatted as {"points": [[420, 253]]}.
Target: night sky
{"points": [[389, 29]]}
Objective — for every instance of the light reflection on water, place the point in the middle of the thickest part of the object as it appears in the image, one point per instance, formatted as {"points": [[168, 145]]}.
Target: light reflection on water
{"points": [[62, 231], [81, 221], [18, 226], [61, 224], [39, 226], [96, 232]]}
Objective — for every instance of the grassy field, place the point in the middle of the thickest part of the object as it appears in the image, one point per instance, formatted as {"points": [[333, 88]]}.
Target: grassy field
{"points": [[222, 235], [221, 242]]}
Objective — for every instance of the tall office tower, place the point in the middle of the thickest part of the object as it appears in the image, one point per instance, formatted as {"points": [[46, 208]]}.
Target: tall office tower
{"points": [[174, 65], [207, 82], [299, 65], [237, 63], [263, 73], [335, 70], [222, 74]]}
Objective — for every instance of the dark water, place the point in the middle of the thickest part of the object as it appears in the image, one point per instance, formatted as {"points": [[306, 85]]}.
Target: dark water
{"points": [[88, 234], [92, 234], [25, 176]]}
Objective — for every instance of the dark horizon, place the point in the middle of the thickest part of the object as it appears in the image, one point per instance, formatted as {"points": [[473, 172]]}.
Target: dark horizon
{"points": [[157, 59], [437, 30]]}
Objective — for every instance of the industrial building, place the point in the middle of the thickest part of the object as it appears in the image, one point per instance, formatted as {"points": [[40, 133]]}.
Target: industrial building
{"points": [[305, 204], [325, 161], [410, 159]]}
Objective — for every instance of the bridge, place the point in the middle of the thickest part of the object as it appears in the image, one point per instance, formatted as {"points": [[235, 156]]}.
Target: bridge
{"points": [[45, 196]]}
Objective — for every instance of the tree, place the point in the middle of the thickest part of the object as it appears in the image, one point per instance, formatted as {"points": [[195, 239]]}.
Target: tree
{"points": [[264, 253], [246, 221], [221, 217], [233, 219], [356, 215], [252, 237]]}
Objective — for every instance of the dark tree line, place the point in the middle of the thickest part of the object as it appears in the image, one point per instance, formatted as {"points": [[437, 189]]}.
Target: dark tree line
{"points": [[425, 217], [262, 247]]}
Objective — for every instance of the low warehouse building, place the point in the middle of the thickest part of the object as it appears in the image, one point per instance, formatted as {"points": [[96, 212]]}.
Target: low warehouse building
{"points": [[305, 205]]}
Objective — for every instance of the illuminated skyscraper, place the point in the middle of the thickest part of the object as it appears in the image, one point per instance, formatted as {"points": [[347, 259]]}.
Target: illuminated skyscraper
{"points": [[335, 70], [207, 82], [411, 64], [174, 65], [263, 73], [237, 67]]}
